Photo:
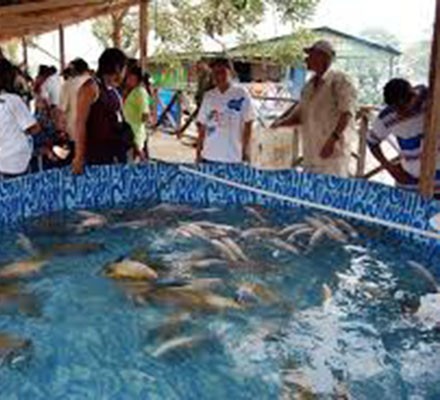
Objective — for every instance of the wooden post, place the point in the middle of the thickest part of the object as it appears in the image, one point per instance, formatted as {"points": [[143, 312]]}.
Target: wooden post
{"points": [[432, 125], [62, 48], [117, 26], [143, 32], [363, 131], [25, 53]]}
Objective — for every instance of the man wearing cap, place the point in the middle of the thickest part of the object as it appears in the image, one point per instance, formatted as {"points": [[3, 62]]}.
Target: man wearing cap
{"points": [[225, 119], [325, 113]]}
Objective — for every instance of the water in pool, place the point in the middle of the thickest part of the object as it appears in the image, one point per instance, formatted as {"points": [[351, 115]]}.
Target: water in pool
{"points": [[173, 302]]}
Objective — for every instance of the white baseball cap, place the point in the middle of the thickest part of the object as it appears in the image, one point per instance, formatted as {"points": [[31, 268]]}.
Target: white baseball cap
{"points": [[323, 46]]}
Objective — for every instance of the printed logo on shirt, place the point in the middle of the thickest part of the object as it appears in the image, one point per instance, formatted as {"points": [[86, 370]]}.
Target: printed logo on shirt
{"points": [[210, 130], [213, 115], [236, 104]]}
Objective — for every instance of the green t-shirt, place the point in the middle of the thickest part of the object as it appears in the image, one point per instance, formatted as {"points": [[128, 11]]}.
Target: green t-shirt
{"points": [[135, 106]]}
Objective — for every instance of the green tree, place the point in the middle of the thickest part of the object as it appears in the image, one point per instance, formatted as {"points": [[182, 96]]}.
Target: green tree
{"points": [[375, 70], [11, 50], [119, 30], [416, 61], [180, 26]]}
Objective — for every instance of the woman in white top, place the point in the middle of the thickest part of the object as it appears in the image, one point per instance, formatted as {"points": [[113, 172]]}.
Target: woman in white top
{"points": [[79, 74], [16, 122]]}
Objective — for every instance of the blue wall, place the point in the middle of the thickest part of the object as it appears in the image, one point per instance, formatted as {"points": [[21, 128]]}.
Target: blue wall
{"points": [[109, 186]]}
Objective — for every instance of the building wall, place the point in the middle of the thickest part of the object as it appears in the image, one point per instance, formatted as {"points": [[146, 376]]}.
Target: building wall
{"points": [[369, 68]]}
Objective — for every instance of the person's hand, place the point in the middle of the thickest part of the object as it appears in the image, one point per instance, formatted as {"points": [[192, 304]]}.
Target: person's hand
{"points": [[77, 166], [399, 174], [276, 124], [328, 148]]}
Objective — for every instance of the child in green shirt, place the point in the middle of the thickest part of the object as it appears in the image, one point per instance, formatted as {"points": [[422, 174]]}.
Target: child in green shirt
{"points": [[136, 111]]}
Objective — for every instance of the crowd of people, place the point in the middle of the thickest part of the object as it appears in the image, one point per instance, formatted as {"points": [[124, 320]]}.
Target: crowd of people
{"points": [[79, 117], [94, 118]]}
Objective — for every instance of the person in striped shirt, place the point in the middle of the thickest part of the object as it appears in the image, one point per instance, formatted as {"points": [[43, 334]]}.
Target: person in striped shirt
{"points": [[403, 117]]}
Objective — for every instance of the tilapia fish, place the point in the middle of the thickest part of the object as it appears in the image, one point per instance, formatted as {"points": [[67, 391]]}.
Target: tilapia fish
{"points": [[255, 292], [179, 343], [129, 269], [258, 232], [193, 300], [22, 269], [11, 346], [65, 249], [91, 220], [16, 297]]}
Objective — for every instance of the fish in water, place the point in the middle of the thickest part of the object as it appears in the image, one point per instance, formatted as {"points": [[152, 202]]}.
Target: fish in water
{"points": [[224, 250], [62, 249], [171, 327], [256, 214], [203, 283], [129, 269], [22, 269], [235, 248], [206, 263], [26, 244], [327, 294], [14, 296], [176, 344], [425, 274], [315, 222], [317, 236], [307, 230], [292, 228], [219, 227], [11, 346], [282, 245], [347, 227], [255, 292], [193, 300], [91, 221], [336, 234], [258, 232]]}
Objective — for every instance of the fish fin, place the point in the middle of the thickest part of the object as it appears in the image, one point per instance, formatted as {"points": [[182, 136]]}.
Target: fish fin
{"points": [[26, 244]]}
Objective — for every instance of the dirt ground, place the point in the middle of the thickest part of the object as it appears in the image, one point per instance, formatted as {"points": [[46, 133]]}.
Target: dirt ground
{"points": [[268, 151]]}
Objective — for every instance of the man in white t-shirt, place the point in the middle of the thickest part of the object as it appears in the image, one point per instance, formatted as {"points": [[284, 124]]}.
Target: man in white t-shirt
{"points": [[225, 119]]}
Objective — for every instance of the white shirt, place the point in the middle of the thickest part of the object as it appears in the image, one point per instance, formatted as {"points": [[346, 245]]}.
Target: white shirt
{"points": [[51, 90], [15, 145], [320, 109], [224, 116], [69, 101], [409, 132]]}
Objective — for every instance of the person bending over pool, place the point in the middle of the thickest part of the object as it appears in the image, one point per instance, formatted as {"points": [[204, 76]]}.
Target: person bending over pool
{"points": [[99, 119], [403, 117], [225, 119]]}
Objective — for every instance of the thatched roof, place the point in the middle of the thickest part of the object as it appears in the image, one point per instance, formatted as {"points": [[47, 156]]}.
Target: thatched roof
{"points": [[32, 17]]}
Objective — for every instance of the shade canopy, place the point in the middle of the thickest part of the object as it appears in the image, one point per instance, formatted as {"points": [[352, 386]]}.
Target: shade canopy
{"points": [[34, 17]]}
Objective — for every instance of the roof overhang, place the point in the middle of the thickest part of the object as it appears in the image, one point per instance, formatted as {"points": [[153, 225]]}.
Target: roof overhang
{"points": [[34, 17]]}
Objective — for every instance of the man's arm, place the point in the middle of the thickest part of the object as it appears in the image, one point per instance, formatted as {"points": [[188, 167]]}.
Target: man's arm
{"points": [[329, 146], [290, 117], [86, 97], [247, 134], [200, 141], [395, 170]]}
